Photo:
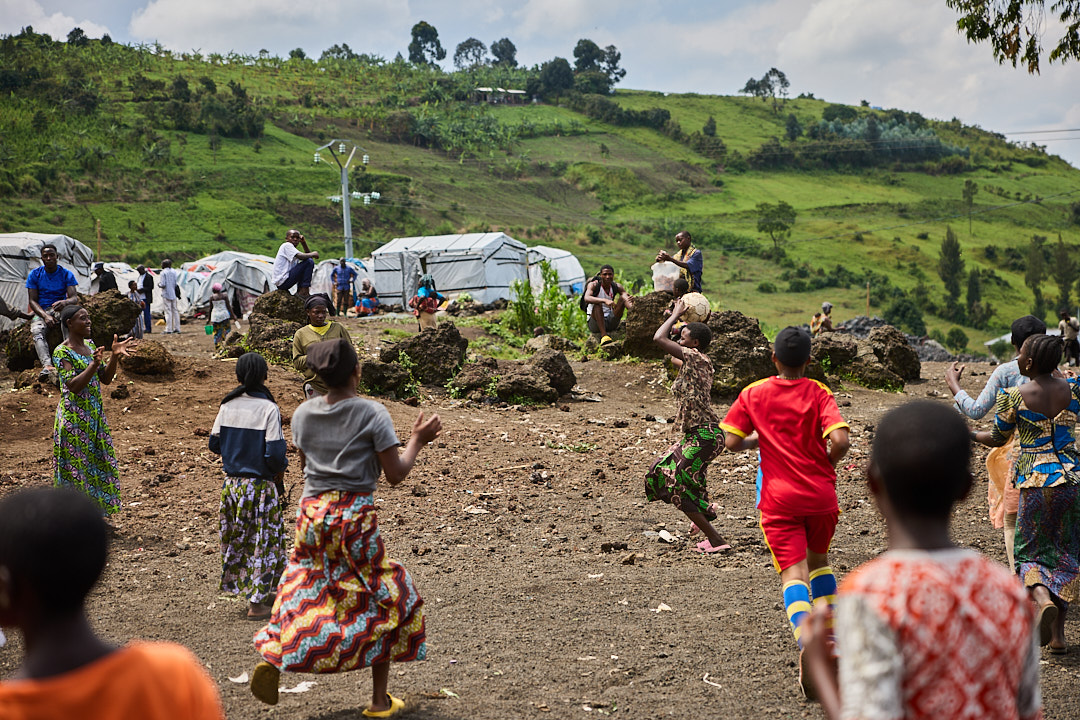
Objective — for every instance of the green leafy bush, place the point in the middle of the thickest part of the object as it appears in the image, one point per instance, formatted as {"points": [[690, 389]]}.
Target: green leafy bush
{"points": [[551, 309], [956, 340]]}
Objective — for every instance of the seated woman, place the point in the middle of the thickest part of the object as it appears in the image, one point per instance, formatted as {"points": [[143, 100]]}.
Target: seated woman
{"points": [[367, 300], [318, 329]]}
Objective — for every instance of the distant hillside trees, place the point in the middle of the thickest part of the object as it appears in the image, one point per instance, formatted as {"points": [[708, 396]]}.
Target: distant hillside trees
{"points": [[556, 77], [772, 85], [425, 48], [470, 53], [1035, 273], [1064, 270], [1016, 28], [776, 220], [951, 272], [596, 70], [793, 128], [297, 54], [504, 53], [971, 189]]}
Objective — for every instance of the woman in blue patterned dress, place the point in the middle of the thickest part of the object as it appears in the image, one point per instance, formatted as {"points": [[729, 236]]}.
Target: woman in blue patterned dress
{"points": [[1043, 414], [83, 456]]}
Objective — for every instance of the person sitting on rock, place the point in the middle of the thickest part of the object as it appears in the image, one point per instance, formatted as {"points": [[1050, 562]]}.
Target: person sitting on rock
{"points": [[1069, 327], [367, 300], [605, 302], [822, 321], [318, 329], [688, 258], [292, 267], [50, 288]]}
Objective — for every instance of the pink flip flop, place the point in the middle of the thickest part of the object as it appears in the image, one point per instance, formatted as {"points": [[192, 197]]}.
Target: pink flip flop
{"points": [[706, 547]]}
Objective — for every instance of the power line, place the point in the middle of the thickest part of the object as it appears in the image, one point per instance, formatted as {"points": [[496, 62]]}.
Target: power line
{"points": [[1041, 132]]}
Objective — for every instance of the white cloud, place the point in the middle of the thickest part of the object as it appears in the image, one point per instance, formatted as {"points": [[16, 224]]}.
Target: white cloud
{"points": [[277, 25], [17, 14]]}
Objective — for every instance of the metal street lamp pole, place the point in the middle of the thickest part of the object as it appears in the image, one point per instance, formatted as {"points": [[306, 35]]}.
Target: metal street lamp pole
{"points": [[337, 151]]}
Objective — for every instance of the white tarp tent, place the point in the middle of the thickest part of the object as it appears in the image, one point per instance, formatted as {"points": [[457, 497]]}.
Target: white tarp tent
{"points": [[480, 264], [245, 277], [571, 274], [21, 252], [322, 279]]}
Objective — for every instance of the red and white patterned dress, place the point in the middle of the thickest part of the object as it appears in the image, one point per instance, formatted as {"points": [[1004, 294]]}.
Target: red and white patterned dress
{"points": [[936, 634]]}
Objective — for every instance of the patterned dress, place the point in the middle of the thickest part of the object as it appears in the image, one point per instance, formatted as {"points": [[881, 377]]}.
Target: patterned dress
{"points": [[83, 455], [342, 604], [1047, 548], [678, 476]]}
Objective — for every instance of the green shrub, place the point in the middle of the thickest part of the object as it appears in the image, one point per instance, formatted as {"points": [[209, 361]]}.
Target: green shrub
{"points": [[766, 287], [1002, 349], [956, 340], [551, 309]]}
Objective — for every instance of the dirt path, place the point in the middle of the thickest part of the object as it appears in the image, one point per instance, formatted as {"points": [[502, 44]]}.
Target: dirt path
{"points": [[527, 616]]}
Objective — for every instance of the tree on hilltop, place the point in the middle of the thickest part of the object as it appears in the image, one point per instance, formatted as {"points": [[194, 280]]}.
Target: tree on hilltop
{"points": [[77, 38], [504, 53], [1015, 28], [425, 48], [297, 54], [587, 56], [470, 53], [556, 76]]}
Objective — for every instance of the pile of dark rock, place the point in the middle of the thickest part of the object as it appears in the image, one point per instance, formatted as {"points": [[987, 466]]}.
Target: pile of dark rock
{"points": [[741, 354], [928, 350], [543, 378], [469, 308], [110, 314]]}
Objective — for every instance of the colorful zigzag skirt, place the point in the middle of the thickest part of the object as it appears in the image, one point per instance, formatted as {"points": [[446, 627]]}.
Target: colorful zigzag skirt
{"points": [[342, 604]]}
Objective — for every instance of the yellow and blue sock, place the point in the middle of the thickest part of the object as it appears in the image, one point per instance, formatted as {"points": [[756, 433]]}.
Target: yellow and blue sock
{"points": [[823, 586], [797, 603]]}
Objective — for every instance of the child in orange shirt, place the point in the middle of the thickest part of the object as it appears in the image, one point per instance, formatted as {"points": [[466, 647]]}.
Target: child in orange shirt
{"points": [[53, 547], [927, 629]]}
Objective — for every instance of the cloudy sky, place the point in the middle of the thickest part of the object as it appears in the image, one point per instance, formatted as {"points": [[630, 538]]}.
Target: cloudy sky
{"points": [[893, 53]]}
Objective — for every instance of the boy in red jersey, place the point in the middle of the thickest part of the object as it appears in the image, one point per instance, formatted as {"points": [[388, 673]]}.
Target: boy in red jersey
{"points": [[927, 629], [790, 418]]}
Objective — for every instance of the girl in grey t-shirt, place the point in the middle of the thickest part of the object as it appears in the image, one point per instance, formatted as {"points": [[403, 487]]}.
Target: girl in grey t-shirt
{"points": [[342, 603]]}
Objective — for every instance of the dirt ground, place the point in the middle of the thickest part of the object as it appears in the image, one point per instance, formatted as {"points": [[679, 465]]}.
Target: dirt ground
{"points": [[527, 616]]}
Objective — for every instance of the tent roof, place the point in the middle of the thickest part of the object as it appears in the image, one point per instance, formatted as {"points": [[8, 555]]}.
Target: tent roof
{"points": [[447, 243], [550, 252]]}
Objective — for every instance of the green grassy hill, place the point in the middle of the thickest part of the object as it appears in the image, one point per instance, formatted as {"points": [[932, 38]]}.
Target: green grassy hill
{"points": [[182, 156]]}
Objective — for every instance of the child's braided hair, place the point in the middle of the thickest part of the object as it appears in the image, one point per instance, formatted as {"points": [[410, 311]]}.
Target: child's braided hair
{"points": [[1044, 352]]}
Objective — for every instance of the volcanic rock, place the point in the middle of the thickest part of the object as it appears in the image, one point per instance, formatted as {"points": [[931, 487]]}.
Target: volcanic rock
{"points": [[436, 353], [271, 337], [550, 342], [526, 382], [281, 305], [557, 367], [149, 357]]}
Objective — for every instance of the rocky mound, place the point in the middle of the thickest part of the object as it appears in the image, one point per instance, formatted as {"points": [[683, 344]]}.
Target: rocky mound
{"points": [[550, 342], [281, 305], [740, 352], [270, 336], [436, 354], [647, 314], [884, 359], [110, 314], [148, 358]]}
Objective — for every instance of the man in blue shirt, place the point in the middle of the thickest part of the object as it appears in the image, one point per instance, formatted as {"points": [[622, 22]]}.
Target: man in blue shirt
{"points": [[50, 288], [688, 259], [343, 277]]}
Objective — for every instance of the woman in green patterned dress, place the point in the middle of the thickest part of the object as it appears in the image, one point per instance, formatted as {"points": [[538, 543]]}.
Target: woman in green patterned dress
{"points": [[83, 456]]}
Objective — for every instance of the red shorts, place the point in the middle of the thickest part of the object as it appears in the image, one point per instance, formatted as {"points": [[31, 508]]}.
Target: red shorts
{"points": [[788, 538]]}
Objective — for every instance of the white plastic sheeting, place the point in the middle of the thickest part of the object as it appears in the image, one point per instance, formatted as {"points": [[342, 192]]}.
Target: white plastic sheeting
{"points": [[571, 274], [245, 276], [480, 264], [21, 252], [322, 279]]}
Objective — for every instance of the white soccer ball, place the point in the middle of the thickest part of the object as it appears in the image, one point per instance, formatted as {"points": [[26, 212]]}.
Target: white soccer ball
{"points": [[697, 308]]}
